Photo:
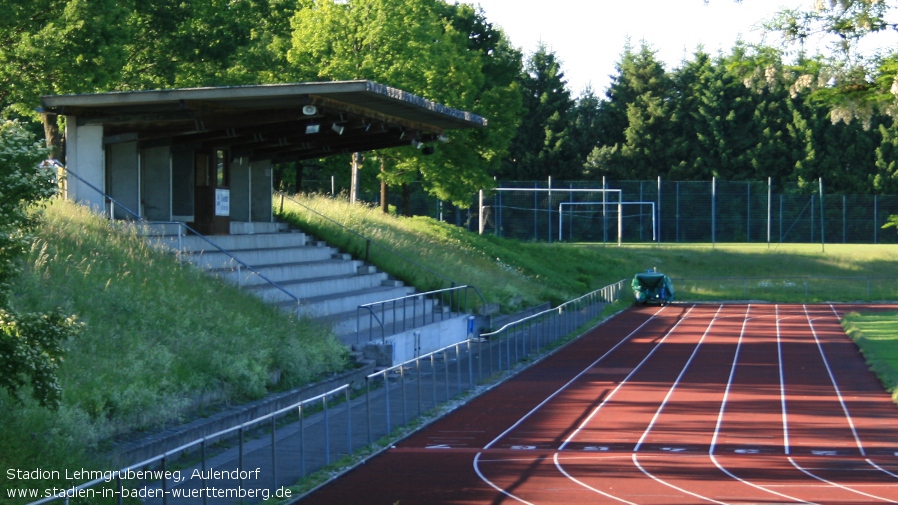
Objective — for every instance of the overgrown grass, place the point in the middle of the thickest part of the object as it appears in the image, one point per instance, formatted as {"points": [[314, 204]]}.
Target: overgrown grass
{"points": [[162, 343], [516, 274], [876, 334]]}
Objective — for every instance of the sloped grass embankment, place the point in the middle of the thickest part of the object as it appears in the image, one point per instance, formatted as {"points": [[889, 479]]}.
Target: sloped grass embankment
{"points": [[161, 343]]}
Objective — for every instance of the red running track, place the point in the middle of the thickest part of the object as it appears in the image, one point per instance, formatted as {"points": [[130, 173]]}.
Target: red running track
{"points": [[726, 404]]}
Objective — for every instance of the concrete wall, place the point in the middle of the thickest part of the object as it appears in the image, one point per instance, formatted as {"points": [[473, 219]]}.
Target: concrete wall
{"points": [[182, 183], [240, 187], [123, 177], [156, 183], [260, 192], [84, 156], [414, 343]]}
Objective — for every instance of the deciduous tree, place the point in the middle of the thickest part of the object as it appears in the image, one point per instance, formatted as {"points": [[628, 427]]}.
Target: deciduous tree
{"points": [[31, 345]]}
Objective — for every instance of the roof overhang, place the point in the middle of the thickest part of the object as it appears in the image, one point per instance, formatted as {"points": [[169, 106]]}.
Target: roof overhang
{"points": [[275, 122]]}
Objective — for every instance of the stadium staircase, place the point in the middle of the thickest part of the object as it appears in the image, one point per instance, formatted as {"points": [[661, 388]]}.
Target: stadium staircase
{"points": [[297, 273]]}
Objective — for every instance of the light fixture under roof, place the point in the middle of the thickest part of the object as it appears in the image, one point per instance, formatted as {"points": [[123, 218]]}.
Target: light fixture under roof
{"points": [[338, 128], [309, 110], [417, 144], [312, 128]]}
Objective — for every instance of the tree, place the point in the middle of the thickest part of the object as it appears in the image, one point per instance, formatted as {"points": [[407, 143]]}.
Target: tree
{"points": [[544, 143], [585, 128], [444, 53], [31, 345], [854, 83], [635, 123]]}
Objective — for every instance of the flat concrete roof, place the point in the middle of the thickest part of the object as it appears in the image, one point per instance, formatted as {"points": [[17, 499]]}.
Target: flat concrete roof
{"points": [[274, 121]]}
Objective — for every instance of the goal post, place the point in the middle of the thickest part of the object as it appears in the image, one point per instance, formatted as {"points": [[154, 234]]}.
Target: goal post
{"points": [[620, 216], [604, 201]]}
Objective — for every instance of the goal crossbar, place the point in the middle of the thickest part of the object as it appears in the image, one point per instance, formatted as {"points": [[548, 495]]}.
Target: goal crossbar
{"points": [[620, 216]]}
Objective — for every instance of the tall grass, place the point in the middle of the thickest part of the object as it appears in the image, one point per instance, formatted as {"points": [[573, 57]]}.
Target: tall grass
{"points": [[162, 343]]}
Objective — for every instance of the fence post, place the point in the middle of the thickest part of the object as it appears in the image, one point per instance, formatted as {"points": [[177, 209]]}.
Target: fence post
{"points": [[549, 209], [875, 219], [302, 443], [348, 423], [822, 237], [480, 222], [713, 211], [368, 406], [657, 227], [769, 207], [327, 437], [604, 211], [420, 398]]}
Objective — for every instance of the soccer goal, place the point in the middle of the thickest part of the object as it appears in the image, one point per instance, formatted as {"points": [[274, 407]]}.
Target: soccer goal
{"points": [[580, 211]]}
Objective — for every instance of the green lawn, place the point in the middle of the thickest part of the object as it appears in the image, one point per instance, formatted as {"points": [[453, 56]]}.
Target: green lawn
{"points": [[877, 337], [516, 274]]}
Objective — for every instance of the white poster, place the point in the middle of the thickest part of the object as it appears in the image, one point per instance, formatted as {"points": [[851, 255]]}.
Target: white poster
{"points": [[222, 202]]}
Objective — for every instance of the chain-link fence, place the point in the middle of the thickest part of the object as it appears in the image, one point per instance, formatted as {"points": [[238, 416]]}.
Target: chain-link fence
{"points": [[657, 211], [671, 211]]}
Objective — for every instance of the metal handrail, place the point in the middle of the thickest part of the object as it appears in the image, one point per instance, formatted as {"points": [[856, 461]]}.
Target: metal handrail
{"points": [[617, 286], [179, 223], [368, 241], [370, 307]]}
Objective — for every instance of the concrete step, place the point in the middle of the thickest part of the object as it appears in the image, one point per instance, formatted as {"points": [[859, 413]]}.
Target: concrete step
{"points": [[317, 287], [252, 257], [233, 243], [281, 273], [326, 305], [243, 227]]}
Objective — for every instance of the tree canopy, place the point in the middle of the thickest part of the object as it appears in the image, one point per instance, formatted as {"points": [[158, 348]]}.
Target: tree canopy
{"points": [[446, 53], [31, 345]]}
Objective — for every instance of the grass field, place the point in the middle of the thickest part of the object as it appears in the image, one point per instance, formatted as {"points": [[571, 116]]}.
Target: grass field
{"points": [[877, 337], [516, 274]]}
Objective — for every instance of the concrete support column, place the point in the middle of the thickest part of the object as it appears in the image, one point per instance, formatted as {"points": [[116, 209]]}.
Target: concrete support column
{"points": [[84, 156]]}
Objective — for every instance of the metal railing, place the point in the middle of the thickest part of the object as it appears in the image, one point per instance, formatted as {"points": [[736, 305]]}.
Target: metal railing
{"points": [[256, 460], [413, 311], [188, 230]]}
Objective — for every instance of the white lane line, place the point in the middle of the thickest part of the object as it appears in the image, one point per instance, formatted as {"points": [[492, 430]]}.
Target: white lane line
{"points": [[497, 488], [868, 460], [658, 413], [835, 484], [881, 469], [587, 486], [832, 379], [791, 460], [779, 359], [668, 484], [621, 384], [562, 388], [595, 411], [720, 415], [676, 382], [566, 385]]}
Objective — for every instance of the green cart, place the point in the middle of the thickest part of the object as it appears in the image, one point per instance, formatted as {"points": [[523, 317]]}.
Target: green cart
{"points": [[652, 287]]}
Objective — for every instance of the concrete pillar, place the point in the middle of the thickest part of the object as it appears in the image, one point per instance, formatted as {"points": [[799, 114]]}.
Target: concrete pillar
{"points": [[84, 156]]}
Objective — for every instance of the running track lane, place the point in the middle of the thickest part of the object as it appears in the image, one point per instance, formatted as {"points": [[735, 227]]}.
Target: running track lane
{"points": [[707, 404]]}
